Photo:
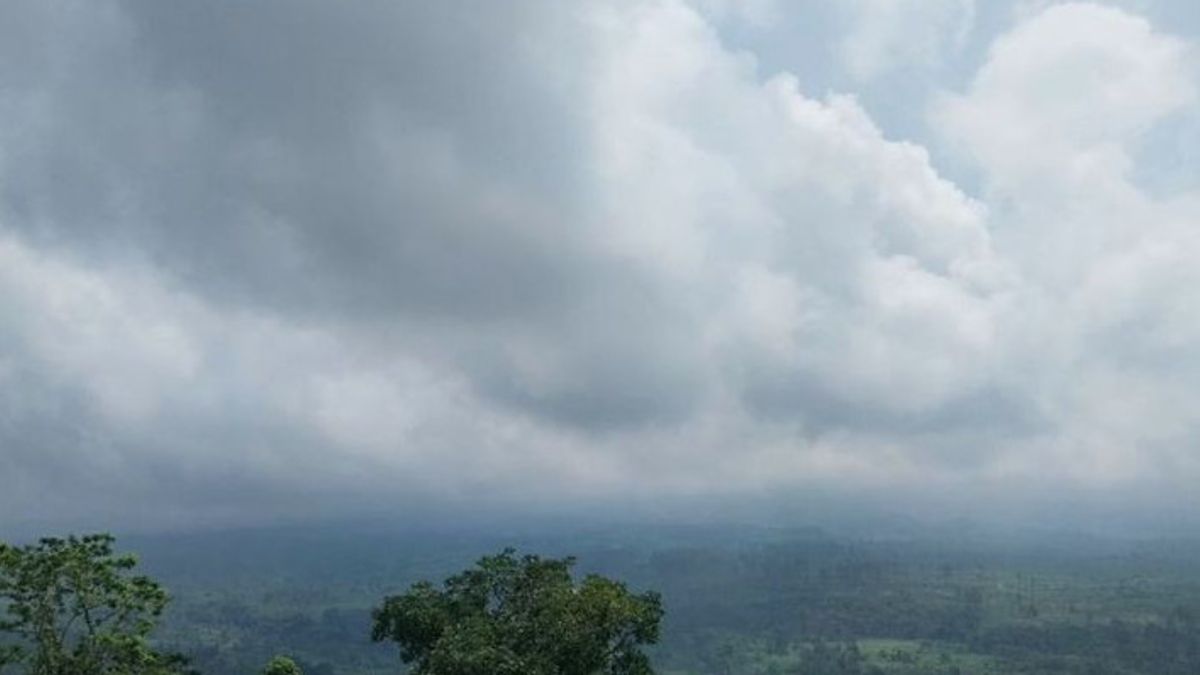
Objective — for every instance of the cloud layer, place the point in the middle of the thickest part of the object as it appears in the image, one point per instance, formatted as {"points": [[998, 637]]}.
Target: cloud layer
{"points": [[289, 258]]}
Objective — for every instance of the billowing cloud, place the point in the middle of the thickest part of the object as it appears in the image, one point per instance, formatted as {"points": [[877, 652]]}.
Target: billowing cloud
{"points": [[260, 259], [889, 35]]}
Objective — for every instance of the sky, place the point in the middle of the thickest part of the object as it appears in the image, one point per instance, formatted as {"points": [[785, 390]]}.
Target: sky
{"points": [[677, 258]]}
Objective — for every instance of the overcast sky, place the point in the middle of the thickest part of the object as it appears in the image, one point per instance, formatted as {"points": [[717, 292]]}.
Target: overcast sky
{"points": [[279, 259]]}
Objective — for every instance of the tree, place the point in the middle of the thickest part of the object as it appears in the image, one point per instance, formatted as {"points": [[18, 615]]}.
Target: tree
{"points": [[822, 658], [282, 665], [521, 616], [72, 607]]}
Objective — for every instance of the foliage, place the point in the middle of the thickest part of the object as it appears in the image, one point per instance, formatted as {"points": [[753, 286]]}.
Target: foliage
{"points": [[521, 616], [821, 658], [282, 665], [72, 607]]}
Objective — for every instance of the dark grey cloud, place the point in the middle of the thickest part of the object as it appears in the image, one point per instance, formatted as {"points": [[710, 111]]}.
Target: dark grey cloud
{"points": [[304, 155], [387, 163]]}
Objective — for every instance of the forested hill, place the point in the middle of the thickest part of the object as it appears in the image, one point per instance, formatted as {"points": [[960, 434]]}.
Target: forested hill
{"points": [[738, 600]]}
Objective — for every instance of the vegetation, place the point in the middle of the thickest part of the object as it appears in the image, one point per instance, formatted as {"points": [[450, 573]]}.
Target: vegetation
{"points": [[740, 603], [521, 616], [282, 665], [75, 608]]}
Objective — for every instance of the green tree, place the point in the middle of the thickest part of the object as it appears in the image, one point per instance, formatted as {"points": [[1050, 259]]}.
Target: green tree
{"points": [[521, 616], [282, 665], [72, 607], [822, 658]]}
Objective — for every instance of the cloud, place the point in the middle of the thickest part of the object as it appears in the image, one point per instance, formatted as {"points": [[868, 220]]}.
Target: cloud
{"points": [[293, 258], [889, 35], [1065, 95], [1054, 119]]}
